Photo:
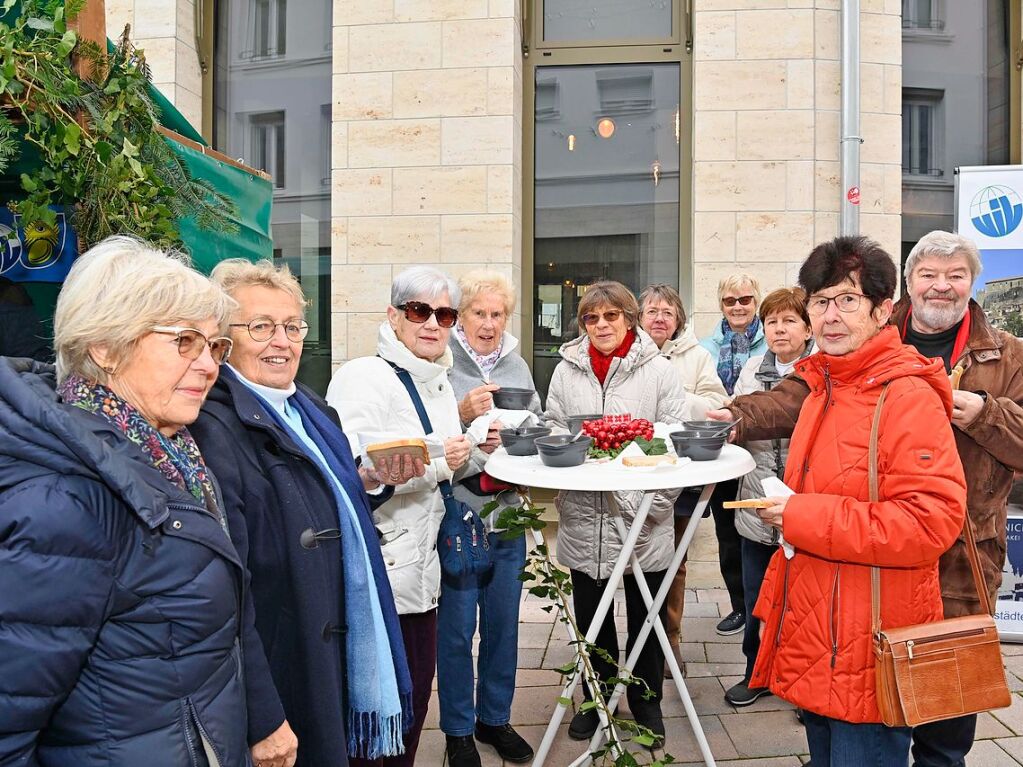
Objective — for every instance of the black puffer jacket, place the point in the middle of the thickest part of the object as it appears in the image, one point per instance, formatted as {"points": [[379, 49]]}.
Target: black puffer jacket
{"points": [[119, 598]]}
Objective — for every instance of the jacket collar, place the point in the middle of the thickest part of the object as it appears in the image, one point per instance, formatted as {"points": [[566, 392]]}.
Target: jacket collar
{"points": [[393, 350], [880, 360], [685, 341], [768, 371]]}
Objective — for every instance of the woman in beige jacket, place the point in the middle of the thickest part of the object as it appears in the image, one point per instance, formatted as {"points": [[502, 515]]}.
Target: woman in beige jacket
{"points": [[614, 368], [664, 318]]}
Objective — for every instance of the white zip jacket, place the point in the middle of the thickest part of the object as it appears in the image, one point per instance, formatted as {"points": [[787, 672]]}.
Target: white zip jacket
{"points": [[369, 397], [644, 385], [699, 373]]}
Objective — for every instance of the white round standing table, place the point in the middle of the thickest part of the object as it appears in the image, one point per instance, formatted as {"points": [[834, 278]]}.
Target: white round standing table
{"points": [[526, 472]]}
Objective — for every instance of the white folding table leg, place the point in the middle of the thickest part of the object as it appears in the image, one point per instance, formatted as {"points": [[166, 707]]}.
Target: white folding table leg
{"points": [[603, 605], [652, 621]]}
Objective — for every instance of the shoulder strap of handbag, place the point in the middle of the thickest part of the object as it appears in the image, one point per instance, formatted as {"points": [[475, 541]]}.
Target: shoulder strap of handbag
{"points": [[406, 378], [875, 573]]}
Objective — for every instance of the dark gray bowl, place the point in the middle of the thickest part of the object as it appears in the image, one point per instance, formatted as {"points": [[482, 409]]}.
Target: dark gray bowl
{"points": [[707, 428], [697, 448], [521, 441], [558, 452], [575, 422], [510, 398]]}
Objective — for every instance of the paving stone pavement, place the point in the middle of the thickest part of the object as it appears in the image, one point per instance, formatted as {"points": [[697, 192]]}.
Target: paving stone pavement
{"points": [[765, 734]]}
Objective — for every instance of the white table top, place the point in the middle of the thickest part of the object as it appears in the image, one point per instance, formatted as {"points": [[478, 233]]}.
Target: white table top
{"points": [[733, 462]]}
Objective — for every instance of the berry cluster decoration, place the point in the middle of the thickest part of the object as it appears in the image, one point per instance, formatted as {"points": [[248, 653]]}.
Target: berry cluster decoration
{"points": [[613, 433]]}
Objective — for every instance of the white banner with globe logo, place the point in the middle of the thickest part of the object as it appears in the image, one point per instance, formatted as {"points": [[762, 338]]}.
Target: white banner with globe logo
{"points": [[989, 210]]}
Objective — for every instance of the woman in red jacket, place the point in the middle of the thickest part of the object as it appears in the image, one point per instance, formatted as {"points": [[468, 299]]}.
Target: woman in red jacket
{"points": [[816, 650]]}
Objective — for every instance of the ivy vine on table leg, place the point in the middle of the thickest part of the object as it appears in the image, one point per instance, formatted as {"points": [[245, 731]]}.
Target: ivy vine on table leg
{"points": [[549, 581]]}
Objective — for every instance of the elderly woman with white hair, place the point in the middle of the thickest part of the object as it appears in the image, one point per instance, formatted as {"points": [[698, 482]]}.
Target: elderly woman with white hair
{"points": [[330, 664], [371, 399], [479, 704], [739, 336], [120, 588]]}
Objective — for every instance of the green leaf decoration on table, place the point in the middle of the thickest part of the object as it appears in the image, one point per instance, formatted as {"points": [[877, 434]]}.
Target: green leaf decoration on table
{"points": [[102, 156]]}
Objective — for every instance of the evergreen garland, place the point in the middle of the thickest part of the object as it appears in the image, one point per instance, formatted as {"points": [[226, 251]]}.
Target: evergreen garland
{"points": [[102, 157]]}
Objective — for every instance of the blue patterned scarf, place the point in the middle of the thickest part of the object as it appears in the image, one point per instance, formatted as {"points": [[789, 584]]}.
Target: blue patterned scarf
{"points": [[379, 705], [734, 352]]}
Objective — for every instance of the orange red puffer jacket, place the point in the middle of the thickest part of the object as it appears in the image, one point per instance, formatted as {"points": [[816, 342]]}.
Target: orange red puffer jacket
{"points": [[816, 650]]}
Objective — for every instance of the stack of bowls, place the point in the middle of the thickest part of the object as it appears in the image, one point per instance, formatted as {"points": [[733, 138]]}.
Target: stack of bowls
{"points": [[697, 441], [560, 452], [522, 441]]}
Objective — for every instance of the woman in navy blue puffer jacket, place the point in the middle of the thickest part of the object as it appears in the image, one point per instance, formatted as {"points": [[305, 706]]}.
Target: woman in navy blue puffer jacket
{"points": [[120, 590]]}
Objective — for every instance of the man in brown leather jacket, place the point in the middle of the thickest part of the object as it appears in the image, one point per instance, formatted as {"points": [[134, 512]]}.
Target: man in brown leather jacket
{"points": [[938, 317]]}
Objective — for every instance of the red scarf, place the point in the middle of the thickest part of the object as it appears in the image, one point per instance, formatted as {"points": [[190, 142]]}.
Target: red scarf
{"points": [[601, 363], [961, 337]]}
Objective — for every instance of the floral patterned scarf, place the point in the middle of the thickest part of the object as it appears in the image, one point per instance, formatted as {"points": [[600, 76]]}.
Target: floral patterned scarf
{"points": [[177, 458], [485, 361]]}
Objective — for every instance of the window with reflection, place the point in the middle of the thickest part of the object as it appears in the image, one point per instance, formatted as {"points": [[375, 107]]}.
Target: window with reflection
{"points": [[606, 194], [601, 20], [268, 103]]}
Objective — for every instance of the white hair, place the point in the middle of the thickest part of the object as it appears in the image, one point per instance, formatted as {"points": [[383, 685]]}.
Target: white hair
{"points": [[236, 273], [116, 292], [736, 282], [946, 245], [475, 283], [418, 282]]}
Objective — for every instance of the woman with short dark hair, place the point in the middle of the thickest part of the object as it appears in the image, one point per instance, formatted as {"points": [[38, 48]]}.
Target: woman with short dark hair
{"points": [[816, 649]]}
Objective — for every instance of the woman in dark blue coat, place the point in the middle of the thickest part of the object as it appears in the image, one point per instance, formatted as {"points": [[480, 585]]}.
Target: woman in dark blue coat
{"points": [[299, 514], [120, 590]]}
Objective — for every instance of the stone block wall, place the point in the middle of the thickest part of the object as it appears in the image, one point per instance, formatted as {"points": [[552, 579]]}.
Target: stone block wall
{"points": [[427, 148], [766, 136]]}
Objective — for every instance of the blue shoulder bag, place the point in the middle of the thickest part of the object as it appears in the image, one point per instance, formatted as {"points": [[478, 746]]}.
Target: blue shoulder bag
{"points": [[462, 545]]}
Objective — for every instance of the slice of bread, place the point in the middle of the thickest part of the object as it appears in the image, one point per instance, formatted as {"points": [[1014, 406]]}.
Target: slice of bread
{"points": [[647, 460], [414, 447]]}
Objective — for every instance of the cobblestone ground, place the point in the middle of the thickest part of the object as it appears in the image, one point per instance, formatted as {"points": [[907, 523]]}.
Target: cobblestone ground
{"points": [[765, 734]]}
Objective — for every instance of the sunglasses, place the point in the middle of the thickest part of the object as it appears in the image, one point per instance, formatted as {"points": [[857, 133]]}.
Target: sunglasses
{"points": [[191, 343], [609, 316], [731, 301], [418, 312]]}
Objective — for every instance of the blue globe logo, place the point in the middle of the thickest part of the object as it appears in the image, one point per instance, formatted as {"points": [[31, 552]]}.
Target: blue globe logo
{"points": [[996, 211]]}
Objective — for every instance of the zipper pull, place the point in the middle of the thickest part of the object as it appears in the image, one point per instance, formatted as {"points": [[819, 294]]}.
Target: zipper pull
{"points": [[909, 647]]}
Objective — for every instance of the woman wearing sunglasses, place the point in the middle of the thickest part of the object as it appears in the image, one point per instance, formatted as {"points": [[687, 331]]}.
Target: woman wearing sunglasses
{"points": [[739, 336], [297, 506], [120, 588], [371, 399], [615, 368]]}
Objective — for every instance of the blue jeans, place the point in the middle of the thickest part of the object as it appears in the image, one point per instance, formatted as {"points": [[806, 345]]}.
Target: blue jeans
{"points": [[755, 558], [497, 593], [834, 743], [945, 743]]}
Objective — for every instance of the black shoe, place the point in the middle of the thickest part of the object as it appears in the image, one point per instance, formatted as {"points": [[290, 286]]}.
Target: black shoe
{"points": [[799, 718], [461, 750], [732, 623], [509, 744], [743, 695], [583, 725], [649, 715]]}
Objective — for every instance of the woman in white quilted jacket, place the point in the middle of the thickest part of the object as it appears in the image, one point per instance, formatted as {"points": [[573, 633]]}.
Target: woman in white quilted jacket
{"points": [[370, 398], [614, 368]]}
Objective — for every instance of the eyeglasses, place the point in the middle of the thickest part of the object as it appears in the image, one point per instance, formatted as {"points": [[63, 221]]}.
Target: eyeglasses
{"points": [[668, 314], [191, 343], [418, 312], [263, 329], [730, 301], [611, 315], [846, 302]]}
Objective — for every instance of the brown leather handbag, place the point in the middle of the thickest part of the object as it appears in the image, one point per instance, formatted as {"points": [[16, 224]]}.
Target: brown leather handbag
{"points": [[940, 670]]}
